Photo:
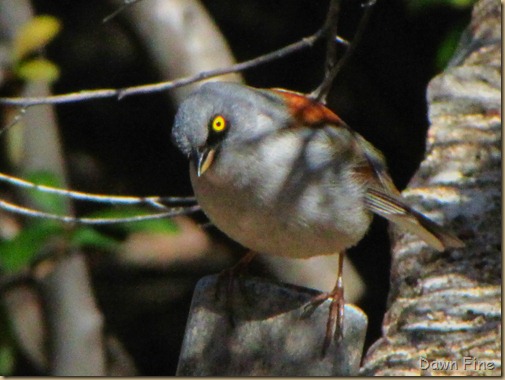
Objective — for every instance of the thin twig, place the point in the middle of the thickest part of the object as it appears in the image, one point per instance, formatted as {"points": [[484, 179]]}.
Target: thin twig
{"points": [[138, 90], [15, 120], [156, 87], [25, 211], [342, 41], [126, 4], [320, 93], [331, 34], [155, 201]]}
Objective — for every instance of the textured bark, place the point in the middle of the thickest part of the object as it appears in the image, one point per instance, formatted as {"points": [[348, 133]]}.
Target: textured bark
{"points": [[447, 306]]}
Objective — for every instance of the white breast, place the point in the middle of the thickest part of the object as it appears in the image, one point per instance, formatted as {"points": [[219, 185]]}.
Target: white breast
{"points": [[290, 194]]}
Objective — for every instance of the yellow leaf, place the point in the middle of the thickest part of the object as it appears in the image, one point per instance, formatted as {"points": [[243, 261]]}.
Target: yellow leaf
{"points": [[39, 69], [35, 34]]}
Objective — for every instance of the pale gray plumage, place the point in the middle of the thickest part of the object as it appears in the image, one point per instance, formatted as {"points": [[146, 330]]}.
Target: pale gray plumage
{"points": [[282, 188]]}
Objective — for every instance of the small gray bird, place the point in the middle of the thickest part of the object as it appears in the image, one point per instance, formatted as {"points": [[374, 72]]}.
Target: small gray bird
{"points": [[283, 175]]}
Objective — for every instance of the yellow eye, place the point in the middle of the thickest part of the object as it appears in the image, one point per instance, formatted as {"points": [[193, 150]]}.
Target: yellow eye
{"points": [[218, 123]]}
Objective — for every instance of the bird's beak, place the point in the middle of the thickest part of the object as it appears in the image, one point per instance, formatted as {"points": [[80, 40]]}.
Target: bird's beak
{"points": [[204, 158]]}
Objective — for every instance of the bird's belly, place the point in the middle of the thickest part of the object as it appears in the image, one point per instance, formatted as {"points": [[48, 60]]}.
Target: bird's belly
{"points": [[296, 228]]}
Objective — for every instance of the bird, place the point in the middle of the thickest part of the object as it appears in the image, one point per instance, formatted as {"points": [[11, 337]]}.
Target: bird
{"points": [[282, 174]]}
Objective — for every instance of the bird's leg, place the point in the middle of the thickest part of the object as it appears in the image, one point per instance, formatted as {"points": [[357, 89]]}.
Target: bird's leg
{"points": [[229, 275], [338, 299], [336, 311]]}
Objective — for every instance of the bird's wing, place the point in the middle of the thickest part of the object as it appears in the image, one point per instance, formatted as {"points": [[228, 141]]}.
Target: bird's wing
{"points": [[405, 217], [384, 199], [377, 163]]}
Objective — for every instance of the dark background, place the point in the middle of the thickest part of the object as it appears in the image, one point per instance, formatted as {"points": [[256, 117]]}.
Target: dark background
{"points": [[124, 147]]}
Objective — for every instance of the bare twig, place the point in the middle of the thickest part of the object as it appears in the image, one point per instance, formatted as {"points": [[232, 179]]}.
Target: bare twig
{"points": [[16, 119], [25, 102], [155, 201], [25, 211], [331, 33], [126, 4], [156, 87], [321, 92], [196, 44], [342, 41]]}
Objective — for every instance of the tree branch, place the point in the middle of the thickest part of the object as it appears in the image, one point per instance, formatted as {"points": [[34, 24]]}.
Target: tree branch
{"points": [[154, 201], [125, 4], [196, 44], [332, 66], [157, 87], [25, 211], [74, 321]]}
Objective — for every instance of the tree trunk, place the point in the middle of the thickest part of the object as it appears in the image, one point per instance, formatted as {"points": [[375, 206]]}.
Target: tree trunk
{"points": [[444, 314]]}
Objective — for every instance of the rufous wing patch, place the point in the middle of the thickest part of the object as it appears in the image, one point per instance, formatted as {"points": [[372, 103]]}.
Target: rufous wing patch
{"points": [[307, 111]]}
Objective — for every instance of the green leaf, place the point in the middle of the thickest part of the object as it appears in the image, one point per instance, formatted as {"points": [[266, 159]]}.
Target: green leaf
{"points": [[46, 202], [20, 251], [35, 34], [155, 225], [7, 359], [88, 237], [38, 69]]}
